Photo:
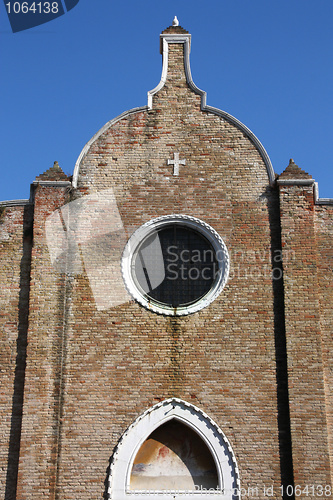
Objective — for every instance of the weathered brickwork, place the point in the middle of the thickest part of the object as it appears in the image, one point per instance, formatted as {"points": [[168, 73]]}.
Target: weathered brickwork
{"points": [[324, 230], [15, 250], [257, 360], [39, 440], [308, 406]]}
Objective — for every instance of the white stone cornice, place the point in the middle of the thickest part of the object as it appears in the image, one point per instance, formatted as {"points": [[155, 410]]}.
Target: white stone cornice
{"points": [[52, 183], [97, 135], [166, 39], [15, 203], [185, 39], [253, 138], [174, 38], [295, 182], [306, 182], [321, 201]]}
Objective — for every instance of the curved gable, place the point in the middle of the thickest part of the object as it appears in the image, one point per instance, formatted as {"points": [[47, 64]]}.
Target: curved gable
{"points": [[177, 111]]}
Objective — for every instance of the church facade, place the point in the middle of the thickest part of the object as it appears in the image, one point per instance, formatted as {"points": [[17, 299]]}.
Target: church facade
{"points": [[166, 319]]}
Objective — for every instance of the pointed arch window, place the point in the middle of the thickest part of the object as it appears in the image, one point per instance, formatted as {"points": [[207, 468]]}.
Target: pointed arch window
{"points": [[174, 450], [174, 457]]}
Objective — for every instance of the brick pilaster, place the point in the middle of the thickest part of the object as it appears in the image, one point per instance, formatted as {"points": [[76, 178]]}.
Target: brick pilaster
{"points": [[41, 414], [303, 334]]}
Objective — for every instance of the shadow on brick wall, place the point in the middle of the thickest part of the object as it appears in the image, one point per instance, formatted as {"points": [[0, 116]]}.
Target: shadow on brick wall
{"points": [[17, 403], [285, 443]]}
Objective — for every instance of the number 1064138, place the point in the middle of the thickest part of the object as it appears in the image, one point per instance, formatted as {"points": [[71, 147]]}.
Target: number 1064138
{"points": [[34, 8]]}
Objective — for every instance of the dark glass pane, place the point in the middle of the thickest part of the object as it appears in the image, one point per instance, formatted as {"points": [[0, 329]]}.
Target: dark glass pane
{"points": [[176, 266]]}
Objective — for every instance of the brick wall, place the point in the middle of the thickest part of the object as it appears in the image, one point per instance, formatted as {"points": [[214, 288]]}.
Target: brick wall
{"points": [[15, 250], [324, 231], [40, 426], [121, 361], [305, 343], [256, 360]]}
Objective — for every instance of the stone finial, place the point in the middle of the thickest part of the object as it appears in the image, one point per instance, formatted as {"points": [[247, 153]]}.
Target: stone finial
{"points": [[175, 28], [294, 172], [54, 173], [56, 165]]}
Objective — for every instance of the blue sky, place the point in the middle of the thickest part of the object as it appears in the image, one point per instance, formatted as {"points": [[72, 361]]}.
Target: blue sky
{"points": [[266, 62]]}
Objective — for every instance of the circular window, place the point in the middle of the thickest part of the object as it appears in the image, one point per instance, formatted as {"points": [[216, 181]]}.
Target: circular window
{"points": [[175, 265]]}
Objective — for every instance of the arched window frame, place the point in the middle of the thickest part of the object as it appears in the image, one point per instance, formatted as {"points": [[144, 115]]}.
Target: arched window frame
{"points": [[198, 421], [151, 227]]}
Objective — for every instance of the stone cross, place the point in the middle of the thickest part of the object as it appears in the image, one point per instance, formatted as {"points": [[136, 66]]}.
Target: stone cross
{"points": [[176, 162]]}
